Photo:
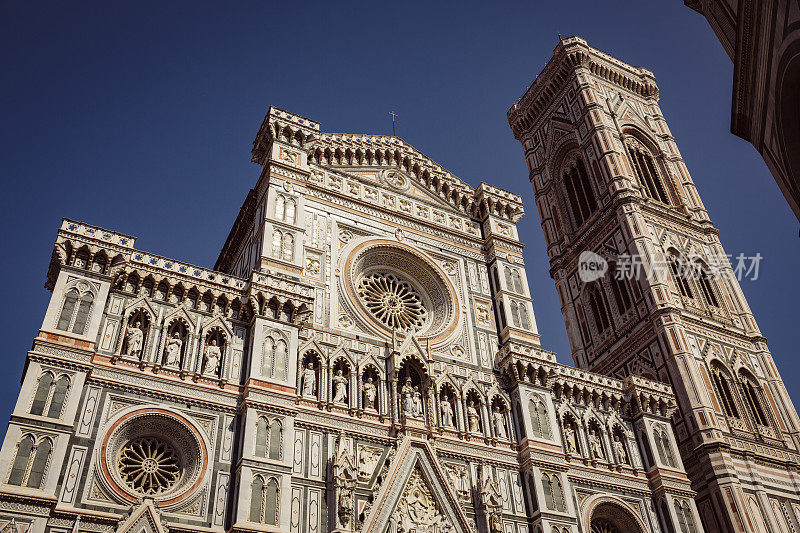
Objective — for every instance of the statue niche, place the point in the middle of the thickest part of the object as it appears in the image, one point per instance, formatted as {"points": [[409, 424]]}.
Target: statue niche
{"points": [[447, 408], [339, 382], [413, 387], [175, 344], [308, 376], [369, 389], [213, 351], [135, 336]]}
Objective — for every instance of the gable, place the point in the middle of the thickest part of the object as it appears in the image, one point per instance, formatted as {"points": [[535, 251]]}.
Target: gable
{"points": [[416, 494]]}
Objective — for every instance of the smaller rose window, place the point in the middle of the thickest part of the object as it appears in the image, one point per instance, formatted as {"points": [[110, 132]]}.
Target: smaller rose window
{"points": [[393, 301], [149, 465]]}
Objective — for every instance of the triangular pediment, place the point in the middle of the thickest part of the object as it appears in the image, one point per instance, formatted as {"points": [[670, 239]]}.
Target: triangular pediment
{"points": [[416, 495], [401, 183], [143, 518]]}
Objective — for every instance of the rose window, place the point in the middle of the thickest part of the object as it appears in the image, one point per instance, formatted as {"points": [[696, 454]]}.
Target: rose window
{"points": [[393, 301], [149, 465]]}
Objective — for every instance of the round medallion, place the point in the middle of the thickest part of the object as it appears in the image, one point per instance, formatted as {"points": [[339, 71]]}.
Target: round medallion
{"points": [[396, 179]]}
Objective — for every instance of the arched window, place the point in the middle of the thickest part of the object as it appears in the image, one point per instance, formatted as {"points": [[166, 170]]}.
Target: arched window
{"points": [[539, 420], [30, 463], [509, 281], [723, 386], [42, 394], [291, 209], [664, 447], [645, 168], [685, 518], [753, 397], [275, 439], [280, 207], [279, 368], [515, 314], [553, 492], [599, 310], [19, 469], [523, 317], [257, 500], [678, 268], [288, 247], [704, 279], [40, 459], [579, 191], [268, 357], [67, 310], [82, 316], [59, 395], [619, 286], [271, 503], [261, 437], [517, 281], [277, 239]]}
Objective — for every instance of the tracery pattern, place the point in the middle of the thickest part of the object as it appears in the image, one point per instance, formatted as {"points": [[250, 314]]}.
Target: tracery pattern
{"points": [[600, 525], [393, 301], [149, 465]]}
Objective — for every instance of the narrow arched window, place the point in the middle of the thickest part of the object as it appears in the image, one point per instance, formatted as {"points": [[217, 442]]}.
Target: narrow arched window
{"points": [[42, 394], [599, 311], [40, 459], [275, 439], [67, 310], [547, 485], [622, 296], [515, 314], [509, 281], [722, 383], [753, 398], [277, 239], [19, 470], [280, 360], [257, 500], [523, 317], [558, 494], [59, 395], [579, 192], [288, 247], [271, 494], [646, 171], [517, 281], [705, 281], [82, 316], [280, 207], [536, 424], [268, 357], [664, 448], [678, 269], [291, 209], [544, 421], [261, 437]]}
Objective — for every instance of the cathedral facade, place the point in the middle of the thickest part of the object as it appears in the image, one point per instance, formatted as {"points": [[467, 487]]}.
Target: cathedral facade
{"points": [[363, 357], [612, 190]]}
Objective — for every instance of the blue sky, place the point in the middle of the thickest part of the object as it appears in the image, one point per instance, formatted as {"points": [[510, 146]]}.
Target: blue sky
{"points": [[139, 117]]}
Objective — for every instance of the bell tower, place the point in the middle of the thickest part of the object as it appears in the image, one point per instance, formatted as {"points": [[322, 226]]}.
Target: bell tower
{"points": [[646, 287]]}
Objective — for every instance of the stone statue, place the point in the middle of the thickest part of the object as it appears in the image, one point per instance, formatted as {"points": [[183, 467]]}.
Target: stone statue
{"points": [[597, 445], [499, 423], [571, 438], [370, 393], [174, 346], [407, 394], [339, 387], [417, 402], [211, 358], [473, 417], [135, 340], [619, 450], [447, 413], [492, 500], [309, 380]]}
